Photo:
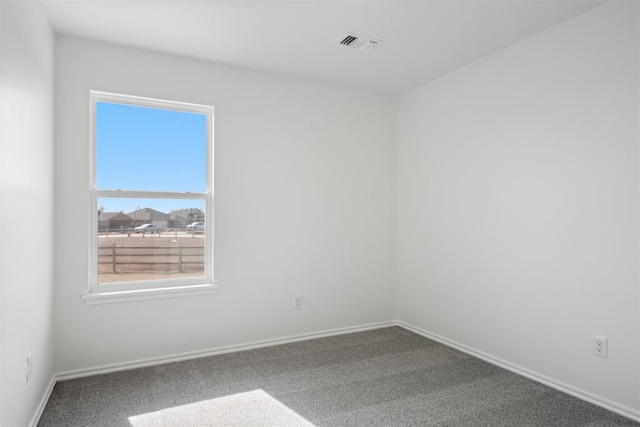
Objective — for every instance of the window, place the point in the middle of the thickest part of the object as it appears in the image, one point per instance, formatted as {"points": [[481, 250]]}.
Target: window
{"points": [[151, 198]]}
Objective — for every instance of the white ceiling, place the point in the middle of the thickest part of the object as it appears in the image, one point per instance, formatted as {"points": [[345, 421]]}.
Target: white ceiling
{"points": [[423, 40]]}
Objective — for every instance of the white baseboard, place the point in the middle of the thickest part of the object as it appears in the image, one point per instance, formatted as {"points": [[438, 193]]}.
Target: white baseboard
{"points": [[105, 369], [558, 385], [550, 382], [43, 402]]}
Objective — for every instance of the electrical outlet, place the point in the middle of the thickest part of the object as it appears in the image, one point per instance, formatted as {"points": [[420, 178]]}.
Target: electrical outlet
{"points": [[297, 302], [29, 366], [600, 346]]}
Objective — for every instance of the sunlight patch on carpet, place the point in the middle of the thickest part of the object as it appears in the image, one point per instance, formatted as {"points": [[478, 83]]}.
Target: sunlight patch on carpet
{"points": [[253, 408]]}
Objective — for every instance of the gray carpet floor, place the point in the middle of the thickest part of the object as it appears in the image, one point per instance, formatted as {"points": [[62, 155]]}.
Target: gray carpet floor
{"points": [[385, 377]]}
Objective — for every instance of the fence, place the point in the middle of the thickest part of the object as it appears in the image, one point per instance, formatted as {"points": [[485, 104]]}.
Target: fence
{"points": [[137, 257]]}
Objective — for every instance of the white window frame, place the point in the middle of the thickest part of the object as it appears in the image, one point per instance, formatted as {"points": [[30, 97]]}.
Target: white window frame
{"points": [[157, 288]]}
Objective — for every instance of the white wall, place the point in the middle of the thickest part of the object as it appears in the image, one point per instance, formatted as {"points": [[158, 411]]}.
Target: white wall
{"points": [[518, 204], [304, 204], [26, 217]]}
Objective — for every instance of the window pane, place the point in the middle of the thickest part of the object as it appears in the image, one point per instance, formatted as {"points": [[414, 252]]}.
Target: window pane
{"points": [[150, 149], [147, 239]]}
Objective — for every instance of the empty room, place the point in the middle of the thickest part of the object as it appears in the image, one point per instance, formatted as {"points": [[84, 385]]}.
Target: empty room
{"points": [[337, 213]]}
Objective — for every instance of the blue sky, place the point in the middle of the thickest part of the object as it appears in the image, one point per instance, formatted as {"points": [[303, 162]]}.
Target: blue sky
{"points": [[140, 148]]}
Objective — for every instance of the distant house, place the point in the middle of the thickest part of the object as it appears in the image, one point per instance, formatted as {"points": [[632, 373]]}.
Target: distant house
{"points": [[149, 216], [183, 217], [113, 221]]}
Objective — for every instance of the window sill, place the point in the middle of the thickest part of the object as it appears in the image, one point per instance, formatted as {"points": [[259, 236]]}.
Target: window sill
{"points": [[110, 297]]}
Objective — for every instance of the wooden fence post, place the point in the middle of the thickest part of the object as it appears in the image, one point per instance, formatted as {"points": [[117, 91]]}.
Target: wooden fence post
{"points": [[113, 257], [180, 259]]}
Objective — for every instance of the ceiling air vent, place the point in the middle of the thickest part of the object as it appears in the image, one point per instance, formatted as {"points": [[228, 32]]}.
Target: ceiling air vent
{"points": [[356, 41]]}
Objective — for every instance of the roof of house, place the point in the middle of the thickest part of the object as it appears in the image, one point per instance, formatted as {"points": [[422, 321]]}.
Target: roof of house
{"points": [[113, 216], [148, 214]]}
